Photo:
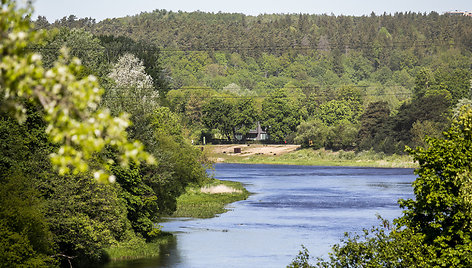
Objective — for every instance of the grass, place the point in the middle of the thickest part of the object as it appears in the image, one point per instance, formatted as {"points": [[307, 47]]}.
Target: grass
{"points": [[197, 204], [138, 248], [323, 157], [194, 203]]}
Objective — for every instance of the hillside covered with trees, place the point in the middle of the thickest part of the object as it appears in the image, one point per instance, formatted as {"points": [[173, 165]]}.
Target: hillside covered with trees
{"points": [[340, 82]]}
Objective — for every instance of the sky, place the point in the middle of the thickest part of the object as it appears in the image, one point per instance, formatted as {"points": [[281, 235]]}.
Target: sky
{"points": [[101, 9]]}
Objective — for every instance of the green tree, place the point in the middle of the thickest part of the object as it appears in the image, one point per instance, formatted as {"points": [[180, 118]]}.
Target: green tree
{"points": [[434, 105], [244, 115], [442, 208], [218, 114], [179, 162], [81, 44], [435, 229], [312, 133], [85, 217], [334, 111], [25, 239], [70, 104], [373, 125], [281, 114], [342, 135], [140, 200]]}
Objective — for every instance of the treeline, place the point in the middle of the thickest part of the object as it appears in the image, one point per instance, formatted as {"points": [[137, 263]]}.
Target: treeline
{"points": [[340, 82]]}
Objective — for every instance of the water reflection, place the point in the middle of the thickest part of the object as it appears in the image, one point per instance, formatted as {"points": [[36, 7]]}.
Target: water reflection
{"points": [[291, 205], [169, 257]]}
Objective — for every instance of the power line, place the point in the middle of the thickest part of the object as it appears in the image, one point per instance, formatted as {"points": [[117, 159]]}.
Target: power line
{"points": [[251, 96], [313, 87], [266, 48]]}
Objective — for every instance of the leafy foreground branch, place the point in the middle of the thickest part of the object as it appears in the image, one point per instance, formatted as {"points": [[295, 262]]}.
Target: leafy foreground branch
{"points": [[436, 227]]}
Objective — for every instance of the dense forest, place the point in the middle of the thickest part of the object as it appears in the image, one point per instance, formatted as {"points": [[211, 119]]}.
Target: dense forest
{"points": [[339, 82], [336, 82]]}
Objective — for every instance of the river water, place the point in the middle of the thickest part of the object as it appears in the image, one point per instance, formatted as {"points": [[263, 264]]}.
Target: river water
{"points": [[290, 206]]}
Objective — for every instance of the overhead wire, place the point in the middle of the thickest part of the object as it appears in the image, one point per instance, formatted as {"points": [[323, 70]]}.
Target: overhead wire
{"points": [[268, 48]]}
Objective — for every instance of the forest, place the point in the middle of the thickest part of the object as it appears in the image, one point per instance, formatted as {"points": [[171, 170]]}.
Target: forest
{"points": [[375, 82], [86, 103]]}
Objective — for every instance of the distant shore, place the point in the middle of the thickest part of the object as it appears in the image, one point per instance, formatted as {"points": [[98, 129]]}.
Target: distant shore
{"points": [[295, 155]]}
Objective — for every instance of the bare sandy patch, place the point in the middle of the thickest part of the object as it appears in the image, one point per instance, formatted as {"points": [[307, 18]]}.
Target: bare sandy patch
{"points": [[219, 189], [254, 149]]}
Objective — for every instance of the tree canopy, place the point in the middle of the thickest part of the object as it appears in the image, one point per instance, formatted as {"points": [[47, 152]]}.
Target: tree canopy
{"points": [[435, 229]]}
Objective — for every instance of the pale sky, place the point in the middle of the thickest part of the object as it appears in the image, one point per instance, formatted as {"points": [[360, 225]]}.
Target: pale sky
{"points": [[101, 9]]}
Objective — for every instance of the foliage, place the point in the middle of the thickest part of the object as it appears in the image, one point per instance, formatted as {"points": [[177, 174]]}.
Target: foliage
{"points": [[312, 133], [372, 123], [85, 217], [65, 216], [441, 210], [26, 240], [281, 113], [140, 200], [132, 93], [70, 105], [217, 114], [81, 44], [149, 54], [274, 47], [180, 163], [334, 111], [435, 229], [327, 57], [245, 115], [196, 204], [302, 259]]}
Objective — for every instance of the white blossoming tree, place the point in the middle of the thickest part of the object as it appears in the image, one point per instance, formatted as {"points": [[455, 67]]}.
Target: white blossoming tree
{"points": [[133, 87], [134, 94]]}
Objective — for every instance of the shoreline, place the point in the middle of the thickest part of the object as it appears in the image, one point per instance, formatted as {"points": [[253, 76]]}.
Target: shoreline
{"points": [[206, 201], [295, 155]]}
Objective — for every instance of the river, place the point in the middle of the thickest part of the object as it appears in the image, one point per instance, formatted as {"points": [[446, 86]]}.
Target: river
{"points": [[290, 206]]}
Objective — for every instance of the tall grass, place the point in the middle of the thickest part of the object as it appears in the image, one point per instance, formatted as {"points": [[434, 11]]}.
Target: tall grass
{"points": [[323, 157], [197, 204], [138, 248]]}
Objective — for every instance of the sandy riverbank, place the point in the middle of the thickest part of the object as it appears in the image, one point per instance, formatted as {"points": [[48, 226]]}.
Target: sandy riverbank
{"points": [[221, 153], [294, 155]]}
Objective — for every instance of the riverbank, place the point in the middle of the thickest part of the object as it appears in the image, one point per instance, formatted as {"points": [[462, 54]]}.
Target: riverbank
{"points": [[198, 202], [295, 155], [137, 248], [209, 200]]}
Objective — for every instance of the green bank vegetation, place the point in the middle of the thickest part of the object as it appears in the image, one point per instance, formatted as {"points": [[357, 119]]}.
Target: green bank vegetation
{"points": [[210, 199], [322, 157], [137, 248]]}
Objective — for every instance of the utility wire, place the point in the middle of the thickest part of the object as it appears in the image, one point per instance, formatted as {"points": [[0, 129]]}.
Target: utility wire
{"points": [[258, 96], [267, 48]]}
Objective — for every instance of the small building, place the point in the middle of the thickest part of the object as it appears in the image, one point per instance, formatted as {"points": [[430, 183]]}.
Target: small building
{"points": [[257, 134]]}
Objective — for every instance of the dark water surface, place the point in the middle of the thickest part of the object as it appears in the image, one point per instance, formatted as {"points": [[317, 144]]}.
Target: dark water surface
{"points": [[290, 206]]}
